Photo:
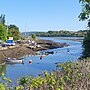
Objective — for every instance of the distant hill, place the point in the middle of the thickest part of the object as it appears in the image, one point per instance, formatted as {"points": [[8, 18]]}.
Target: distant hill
{"points": [[28, 33], [80, 33]]}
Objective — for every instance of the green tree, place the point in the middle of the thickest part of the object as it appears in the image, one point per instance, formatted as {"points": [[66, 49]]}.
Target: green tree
{"points": [[13, 31], [33, 36], [2, 19], [3, 32], [85, 15]]}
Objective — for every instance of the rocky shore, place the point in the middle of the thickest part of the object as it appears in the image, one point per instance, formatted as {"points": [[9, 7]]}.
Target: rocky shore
{"points": [[22, 49]]}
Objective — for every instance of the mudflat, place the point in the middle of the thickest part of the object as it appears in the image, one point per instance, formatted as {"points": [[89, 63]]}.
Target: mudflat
{"points": [[23, 49]]}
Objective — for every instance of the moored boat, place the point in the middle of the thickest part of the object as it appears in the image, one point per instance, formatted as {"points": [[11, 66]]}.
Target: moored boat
{"points": [[14, 60]]}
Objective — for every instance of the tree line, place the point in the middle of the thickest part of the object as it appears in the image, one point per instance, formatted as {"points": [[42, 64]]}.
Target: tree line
{"points": [[64, 33], [7, 31]]}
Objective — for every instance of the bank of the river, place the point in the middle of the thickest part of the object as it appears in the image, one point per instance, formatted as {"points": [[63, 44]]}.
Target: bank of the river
{"points": [[22, 49], [48, 62]]}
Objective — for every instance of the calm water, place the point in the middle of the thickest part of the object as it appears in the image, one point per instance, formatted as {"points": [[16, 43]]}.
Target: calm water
{"points": [[47, 63]]}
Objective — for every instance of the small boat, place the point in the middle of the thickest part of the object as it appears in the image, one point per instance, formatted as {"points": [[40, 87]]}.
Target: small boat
{"points": [[40, 53], [14, 60], [49, 52]]}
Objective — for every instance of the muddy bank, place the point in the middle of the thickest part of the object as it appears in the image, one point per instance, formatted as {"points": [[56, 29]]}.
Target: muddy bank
{"points": [[48, 44], [22, 49]]}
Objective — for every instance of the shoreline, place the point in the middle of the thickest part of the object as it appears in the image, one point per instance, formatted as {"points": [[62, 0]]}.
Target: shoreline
{"points": [[23, 49]]}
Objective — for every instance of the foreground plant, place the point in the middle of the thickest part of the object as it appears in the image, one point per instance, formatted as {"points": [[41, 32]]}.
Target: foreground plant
{"points": [[66, 76]]}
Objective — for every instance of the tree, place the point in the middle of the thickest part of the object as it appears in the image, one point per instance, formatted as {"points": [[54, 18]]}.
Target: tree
{"points": [[85, 15], [33, 36], [13, 31], [3, 32], [2, 19]]}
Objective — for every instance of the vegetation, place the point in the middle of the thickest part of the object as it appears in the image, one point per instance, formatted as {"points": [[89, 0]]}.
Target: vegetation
{"points": [[13, 31], [2, 19], [8, 31], [67, 76], [86, 45], [64, 33], [33, 36], [3, 32], [85, 15]]}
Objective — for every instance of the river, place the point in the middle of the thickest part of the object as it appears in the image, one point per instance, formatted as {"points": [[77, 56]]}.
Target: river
{"points": [[48, 62]]}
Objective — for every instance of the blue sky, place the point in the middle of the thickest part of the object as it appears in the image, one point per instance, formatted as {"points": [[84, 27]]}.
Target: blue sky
{"points": [[43, 15]]}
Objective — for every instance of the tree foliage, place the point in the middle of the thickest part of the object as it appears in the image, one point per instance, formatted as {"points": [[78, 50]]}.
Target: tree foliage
{"points": [[86, 45], [62, 33], [2, 19], [33, 36], [3, 32], [85, 15], [13, 31]]}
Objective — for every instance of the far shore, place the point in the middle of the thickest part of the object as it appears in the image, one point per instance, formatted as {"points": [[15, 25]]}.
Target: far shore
{"points": [[21, 50], [80, 39]]}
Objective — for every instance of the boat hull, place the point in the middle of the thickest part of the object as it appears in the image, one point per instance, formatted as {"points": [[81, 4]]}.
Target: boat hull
{"points": [[14, 60]]}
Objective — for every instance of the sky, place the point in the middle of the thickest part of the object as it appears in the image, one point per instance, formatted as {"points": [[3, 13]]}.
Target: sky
{"points": [[43, 15]]}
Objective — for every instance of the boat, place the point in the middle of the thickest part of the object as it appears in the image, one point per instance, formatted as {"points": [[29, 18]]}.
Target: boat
{"points": [[40, 53], [49, 52], [14, 60]]}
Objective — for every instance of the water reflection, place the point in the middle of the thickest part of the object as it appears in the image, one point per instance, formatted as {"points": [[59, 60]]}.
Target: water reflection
{"points": [[3, 67], [47, 62]]}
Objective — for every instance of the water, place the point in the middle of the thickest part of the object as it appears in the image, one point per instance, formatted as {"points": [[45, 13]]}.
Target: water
{"points": [[48, 62]]}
